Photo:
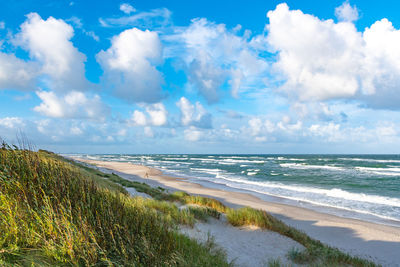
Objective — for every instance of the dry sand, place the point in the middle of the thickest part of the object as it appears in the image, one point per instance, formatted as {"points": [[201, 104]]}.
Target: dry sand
{"points": [[245, 246], [379, 243]]}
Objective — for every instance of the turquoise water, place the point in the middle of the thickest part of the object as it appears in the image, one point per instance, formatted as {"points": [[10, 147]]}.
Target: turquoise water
{"points": [[361, 184]]}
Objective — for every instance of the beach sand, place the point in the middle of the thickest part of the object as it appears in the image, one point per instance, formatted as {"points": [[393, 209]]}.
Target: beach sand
{"points": [[376, 242]]}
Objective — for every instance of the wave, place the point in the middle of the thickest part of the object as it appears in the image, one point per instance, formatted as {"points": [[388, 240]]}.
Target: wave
{"points": [[304, 166], [290, 159], [168, 158], [333, 193], [202, 159], [242, 161], [372, 160], [380, 171]]}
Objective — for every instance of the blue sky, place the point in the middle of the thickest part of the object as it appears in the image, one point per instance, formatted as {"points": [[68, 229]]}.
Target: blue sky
{"points": [[205, 77]]}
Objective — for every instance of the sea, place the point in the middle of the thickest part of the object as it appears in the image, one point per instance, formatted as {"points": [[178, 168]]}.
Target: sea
{"points": [[365, 187]]}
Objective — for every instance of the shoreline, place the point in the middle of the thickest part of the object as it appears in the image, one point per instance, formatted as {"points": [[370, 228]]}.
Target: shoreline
{"points": [[377, 242]]}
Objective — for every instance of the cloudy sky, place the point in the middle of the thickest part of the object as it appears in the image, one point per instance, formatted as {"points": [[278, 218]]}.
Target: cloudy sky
{"points": [[201, 76]]}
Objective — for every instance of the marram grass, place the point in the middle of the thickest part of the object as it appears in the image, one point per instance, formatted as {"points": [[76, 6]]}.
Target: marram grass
{"points": [[55, 214]]}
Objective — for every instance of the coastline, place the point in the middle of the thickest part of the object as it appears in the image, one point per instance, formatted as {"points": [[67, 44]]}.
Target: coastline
{"points": [[373, 241]]}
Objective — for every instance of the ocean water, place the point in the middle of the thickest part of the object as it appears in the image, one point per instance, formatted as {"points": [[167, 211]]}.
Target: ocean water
{"points": [[358, 186]]}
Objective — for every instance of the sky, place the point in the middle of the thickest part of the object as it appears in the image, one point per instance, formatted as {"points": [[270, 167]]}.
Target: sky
{"points": [[251, 77]]}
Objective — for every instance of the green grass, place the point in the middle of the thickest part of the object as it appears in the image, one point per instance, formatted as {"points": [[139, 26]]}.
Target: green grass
{"points": [[53, 213]]}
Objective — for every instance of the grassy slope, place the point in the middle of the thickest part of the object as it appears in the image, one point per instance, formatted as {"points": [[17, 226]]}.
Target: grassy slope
{"points": [[54, 213], [58, 212]]}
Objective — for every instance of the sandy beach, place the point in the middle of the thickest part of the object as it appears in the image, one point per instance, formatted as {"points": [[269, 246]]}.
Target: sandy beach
{"points": [[379, 243]]}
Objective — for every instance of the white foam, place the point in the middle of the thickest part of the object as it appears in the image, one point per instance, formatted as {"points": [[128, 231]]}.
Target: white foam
{"points": [[242, 161], [168, 158], [304, 166], [380, 171], [372, 160], [334, 193], [288, 159]]}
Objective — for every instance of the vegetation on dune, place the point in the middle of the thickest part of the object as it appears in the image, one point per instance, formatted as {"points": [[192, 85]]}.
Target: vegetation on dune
{"points": [[54, 211]]}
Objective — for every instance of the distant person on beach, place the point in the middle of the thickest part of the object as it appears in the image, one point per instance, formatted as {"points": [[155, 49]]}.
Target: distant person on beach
{"points": [[146, 175]]}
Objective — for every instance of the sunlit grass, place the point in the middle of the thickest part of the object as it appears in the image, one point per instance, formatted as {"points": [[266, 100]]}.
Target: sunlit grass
{"points": [[53, 213]]}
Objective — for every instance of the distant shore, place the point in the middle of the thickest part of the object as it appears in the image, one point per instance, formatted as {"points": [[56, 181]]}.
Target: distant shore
{"points": [[379, 243]]}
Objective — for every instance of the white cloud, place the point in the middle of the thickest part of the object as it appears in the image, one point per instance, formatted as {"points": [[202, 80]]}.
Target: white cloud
{"points": [[192, 134], [194, 115], [48, 42], [159, 17], [92, 35], [127, 8], [346, 12], [319, 59], [130, 65], [16, 73], [158, 114], [72, 105], [380, 69], [77, 22], [323, 60], [2, 25], [330, 132], [138, 118], [213, 55], [11, 122], [262, 130]]}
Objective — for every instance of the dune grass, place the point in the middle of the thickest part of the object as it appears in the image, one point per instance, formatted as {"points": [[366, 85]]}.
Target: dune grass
{"points": [[55, 214]]}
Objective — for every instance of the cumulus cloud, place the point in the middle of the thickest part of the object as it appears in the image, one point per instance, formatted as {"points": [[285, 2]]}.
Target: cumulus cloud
{"points": [[139, 118], [16, 73], [346, 12], [194, 115], [48, 42], [323, 60], [319, 59], [2, 25], [157, 115], [380, 69], [72, 105], [127, 8], [130, 65], [214, 55]]}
